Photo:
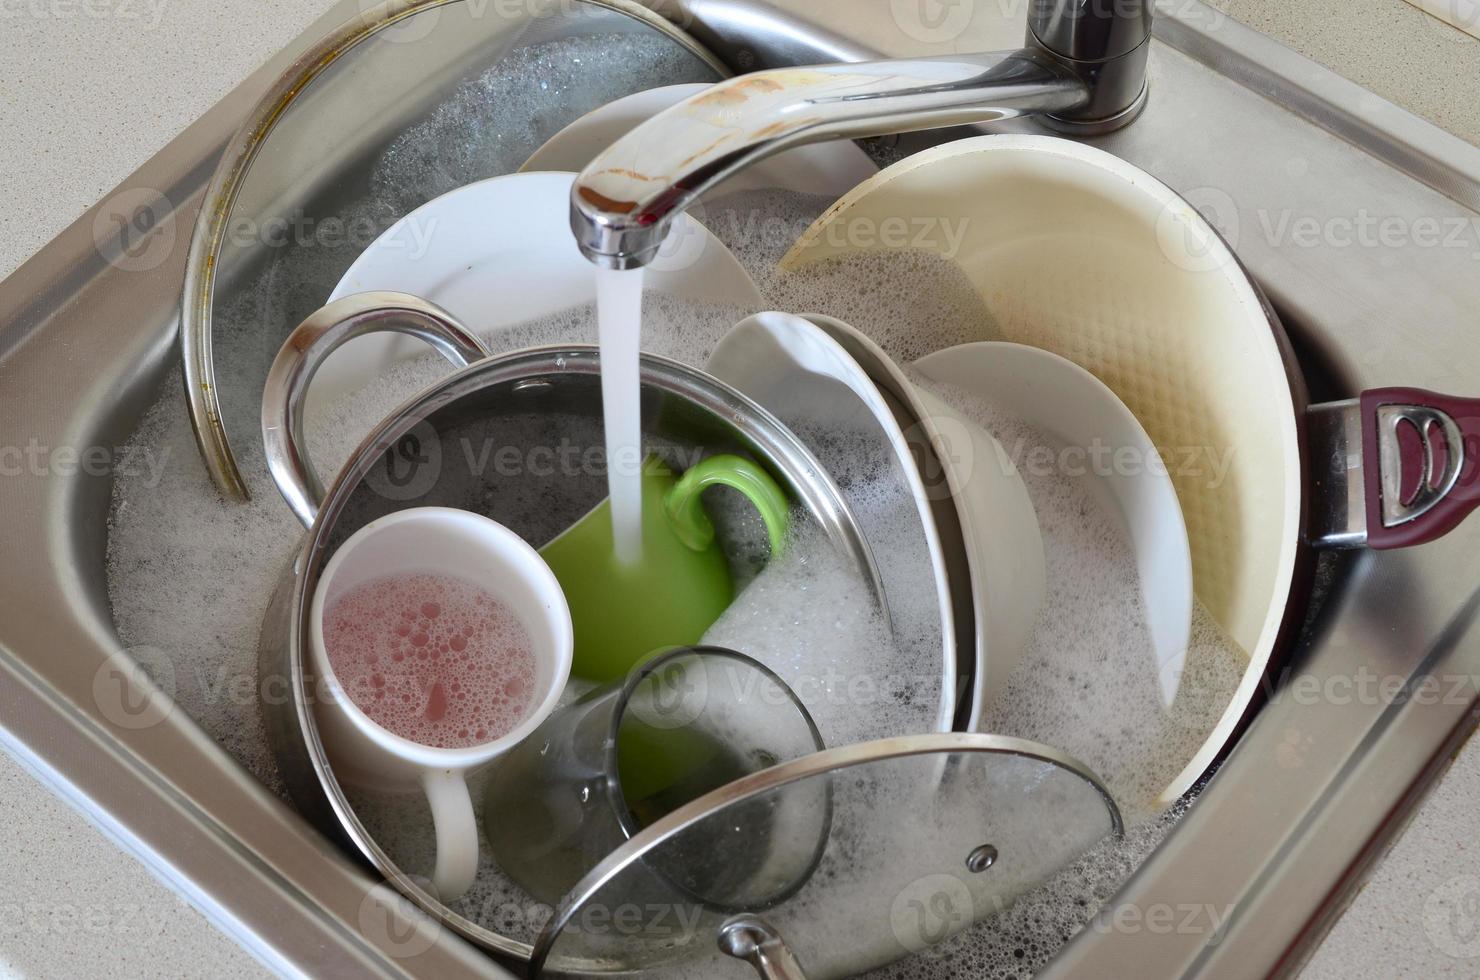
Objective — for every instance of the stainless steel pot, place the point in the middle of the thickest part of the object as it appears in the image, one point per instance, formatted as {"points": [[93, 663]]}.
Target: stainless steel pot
{"points": [[525, 398]]}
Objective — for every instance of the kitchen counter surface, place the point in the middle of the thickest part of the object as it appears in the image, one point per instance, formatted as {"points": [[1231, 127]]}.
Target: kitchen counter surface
{"points": [[89, 91]]}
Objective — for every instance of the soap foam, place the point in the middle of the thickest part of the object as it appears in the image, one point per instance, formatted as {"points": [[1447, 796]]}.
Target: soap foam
{"points": [[1087, 681], [809, 617], [433, 658]]}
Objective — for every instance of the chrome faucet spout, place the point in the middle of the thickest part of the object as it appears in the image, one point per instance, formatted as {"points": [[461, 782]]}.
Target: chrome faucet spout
{"points": [[1082, 70]]}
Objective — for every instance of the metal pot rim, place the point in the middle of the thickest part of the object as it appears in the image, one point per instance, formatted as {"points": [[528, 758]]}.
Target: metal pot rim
{"points": [[720, 399]]}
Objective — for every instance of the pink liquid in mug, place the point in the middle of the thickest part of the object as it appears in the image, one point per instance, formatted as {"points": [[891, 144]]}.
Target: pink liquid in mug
{"points": [[433, 658]]}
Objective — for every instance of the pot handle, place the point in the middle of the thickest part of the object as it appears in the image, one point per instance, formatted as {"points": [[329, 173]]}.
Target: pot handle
{"points": [[1420, 463], [323, 332]]}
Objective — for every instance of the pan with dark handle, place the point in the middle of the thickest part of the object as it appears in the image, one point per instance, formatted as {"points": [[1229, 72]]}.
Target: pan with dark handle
{"points": [[1395, 467]]}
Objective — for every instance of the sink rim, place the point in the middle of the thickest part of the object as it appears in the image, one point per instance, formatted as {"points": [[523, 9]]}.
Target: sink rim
{"points": [[242, 875]]}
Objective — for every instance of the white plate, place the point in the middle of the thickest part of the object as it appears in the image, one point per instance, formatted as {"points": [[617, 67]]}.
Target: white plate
{"points": [[798, 373], [830, 169], [996, 520], [1069, 404], [498, 253]]}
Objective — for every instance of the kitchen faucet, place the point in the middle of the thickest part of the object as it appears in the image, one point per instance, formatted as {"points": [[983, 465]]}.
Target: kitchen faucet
{"points": [[1082, 71]]}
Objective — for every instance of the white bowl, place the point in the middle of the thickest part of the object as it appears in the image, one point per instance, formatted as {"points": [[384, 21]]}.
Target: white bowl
{"points": [[1068, 404]]}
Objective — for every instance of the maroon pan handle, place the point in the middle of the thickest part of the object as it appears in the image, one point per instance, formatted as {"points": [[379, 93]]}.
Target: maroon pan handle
{"points": [[1422, 464]]}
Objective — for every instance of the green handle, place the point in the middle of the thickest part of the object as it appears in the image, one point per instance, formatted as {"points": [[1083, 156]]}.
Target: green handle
{"points": [[693, 526]]}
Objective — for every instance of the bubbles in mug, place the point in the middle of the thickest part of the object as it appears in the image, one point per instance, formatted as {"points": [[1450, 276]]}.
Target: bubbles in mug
{"points": [[433, 658]]}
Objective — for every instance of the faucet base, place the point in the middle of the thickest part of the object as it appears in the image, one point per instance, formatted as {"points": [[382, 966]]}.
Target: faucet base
{"points": [[1096, 127]]}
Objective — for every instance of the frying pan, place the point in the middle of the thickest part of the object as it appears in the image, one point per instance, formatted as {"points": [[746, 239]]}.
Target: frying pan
{"points": [[1076, 251]]}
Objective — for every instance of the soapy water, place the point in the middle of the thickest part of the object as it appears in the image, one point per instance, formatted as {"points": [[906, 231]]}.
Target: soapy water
{"points": [[810, 618], [433, 658], [191, 575]]}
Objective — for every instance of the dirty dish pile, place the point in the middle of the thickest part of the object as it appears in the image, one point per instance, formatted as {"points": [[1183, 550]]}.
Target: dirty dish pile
{"points": [[855, 590]]}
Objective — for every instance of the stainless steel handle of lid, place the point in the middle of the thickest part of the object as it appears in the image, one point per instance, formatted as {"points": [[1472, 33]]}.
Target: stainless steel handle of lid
{"points": [[751, 938], [318, 336]]}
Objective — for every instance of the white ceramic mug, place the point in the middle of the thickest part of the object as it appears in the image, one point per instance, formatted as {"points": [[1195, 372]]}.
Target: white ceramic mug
{"points": [[440, 541]]}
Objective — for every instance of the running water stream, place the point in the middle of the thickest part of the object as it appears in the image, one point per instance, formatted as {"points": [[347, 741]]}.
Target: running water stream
{"points": [[619, 333]]}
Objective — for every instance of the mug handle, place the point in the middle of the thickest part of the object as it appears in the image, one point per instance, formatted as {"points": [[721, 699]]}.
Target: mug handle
{"points": [[316, 338], [456, 830], [694, 527]]}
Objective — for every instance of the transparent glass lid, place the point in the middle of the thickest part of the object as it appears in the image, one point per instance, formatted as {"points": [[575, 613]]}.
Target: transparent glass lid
{"points": [[919, 837]]}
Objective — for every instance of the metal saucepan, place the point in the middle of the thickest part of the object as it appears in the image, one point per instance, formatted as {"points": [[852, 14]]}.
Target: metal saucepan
{"points": [[533, 397]]}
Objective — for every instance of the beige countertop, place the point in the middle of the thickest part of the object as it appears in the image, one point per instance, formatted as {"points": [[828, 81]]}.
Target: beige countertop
{"points": [[89, 91]]}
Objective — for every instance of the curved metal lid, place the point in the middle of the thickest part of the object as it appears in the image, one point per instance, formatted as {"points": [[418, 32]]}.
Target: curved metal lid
{"points": [[928, 835], [311, 134]]}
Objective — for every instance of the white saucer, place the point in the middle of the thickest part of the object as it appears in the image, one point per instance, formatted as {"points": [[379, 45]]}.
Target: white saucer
{"points": [[980, 498], [1070, 405]]}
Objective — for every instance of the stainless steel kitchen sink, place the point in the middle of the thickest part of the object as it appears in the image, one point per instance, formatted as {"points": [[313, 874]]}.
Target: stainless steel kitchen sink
{"points": [[1268, 144]]}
